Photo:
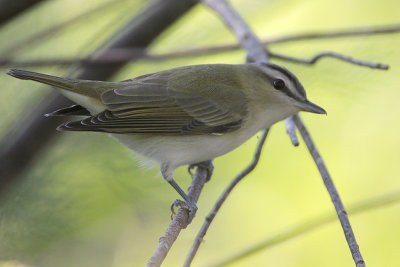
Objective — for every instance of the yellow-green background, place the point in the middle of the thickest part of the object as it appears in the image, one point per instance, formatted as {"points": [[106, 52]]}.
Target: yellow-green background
{"points": [[87, 202]]}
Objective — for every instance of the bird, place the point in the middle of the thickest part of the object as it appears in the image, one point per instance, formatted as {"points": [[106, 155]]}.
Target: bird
{"points": [[184, 115]]}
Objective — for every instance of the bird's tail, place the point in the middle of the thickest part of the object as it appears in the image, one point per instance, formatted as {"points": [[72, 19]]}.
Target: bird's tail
{"points": [[63, 83]]}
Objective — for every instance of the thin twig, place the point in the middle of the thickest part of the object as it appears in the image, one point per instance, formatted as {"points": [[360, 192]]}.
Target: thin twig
{"points": [[113, 56], [126, 54], [291, 131], [210, 217], [180, 220], [339, 56], [310, 225], [337, 202]]}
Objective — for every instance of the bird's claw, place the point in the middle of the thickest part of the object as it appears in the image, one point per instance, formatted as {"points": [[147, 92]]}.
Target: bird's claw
{"points": [[190, 207], [207, 165]]}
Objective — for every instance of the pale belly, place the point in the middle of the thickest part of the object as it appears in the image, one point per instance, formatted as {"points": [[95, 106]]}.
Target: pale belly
{"points": [[182, 150]]}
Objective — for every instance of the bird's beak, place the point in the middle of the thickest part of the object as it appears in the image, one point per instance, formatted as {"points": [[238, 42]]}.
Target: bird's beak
{"points": [[311, 107]]}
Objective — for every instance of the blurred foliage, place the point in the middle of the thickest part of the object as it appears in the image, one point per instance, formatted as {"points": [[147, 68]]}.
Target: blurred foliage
{"points": [[87, 201]]}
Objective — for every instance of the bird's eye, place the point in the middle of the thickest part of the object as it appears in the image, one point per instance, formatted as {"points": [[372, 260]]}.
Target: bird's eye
{"points": [[279, 84]]}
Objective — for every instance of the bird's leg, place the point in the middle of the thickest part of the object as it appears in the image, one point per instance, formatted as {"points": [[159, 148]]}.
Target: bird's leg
{"points": [[207, 165], [188, 204]]}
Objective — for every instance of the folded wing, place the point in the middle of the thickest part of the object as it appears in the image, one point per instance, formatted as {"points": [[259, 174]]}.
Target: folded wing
{"points": [[151, 106]]}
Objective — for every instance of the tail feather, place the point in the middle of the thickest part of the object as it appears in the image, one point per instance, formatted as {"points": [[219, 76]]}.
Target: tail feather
{"points": [[86, 93], [63, 83]]}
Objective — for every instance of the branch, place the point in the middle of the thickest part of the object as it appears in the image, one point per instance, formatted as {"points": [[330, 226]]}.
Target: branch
{"points": [[312, 224], [317, 57], [291, 131], [337, 202], [180, 220], [210, 217], [119, 55]]}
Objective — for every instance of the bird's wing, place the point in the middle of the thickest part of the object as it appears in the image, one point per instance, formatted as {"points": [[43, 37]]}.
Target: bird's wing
{"points": [[74, 110], [154, 107]]}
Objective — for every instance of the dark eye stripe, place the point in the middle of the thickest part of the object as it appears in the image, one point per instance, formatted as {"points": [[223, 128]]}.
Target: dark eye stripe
{"points": [[281, 86], [290, 94]]}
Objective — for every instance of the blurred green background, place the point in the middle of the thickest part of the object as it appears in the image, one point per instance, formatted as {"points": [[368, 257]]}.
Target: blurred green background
{"points": [[87, 202]]}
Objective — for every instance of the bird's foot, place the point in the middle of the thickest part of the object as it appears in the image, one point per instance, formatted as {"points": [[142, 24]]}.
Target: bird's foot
{"points": [[189, 206], [207, 165]]}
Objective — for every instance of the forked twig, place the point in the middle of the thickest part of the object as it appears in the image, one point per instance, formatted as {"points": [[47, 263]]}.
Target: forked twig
{"points": [[210, 217]]}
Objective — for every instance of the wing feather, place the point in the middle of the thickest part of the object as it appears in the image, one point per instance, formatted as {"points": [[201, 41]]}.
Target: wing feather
{"points": [[150, 105]]}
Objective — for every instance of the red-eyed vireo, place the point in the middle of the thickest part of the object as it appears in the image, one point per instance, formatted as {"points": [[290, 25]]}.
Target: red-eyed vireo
{"points": [[183, 115]]}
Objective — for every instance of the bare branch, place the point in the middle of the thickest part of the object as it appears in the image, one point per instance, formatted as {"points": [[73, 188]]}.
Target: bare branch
{"points": [[121, 55], [210, 217], [317, 57], [337, 202], [180, 220], [310, 225], [113, 56]]}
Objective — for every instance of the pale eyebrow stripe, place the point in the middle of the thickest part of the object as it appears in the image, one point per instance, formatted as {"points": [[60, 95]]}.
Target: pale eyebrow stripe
{"points": [[292, 79], [284, 71]]}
